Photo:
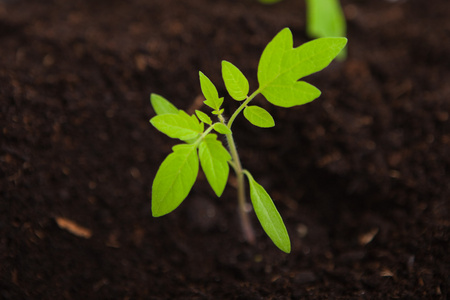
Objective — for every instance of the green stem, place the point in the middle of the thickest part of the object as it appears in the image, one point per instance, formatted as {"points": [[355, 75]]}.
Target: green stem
{"points": [[247, 228], [200, 138], [240, 108]]}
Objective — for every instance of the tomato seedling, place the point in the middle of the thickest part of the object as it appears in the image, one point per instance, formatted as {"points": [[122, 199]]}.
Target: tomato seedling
{"points": [[279, 70]]}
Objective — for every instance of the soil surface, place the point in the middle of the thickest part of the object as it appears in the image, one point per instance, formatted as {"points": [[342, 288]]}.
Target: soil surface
{"points": [[361, 175]]}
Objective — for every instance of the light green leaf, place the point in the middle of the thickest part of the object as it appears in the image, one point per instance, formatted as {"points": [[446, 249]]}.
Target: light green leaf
{"points": [[221, 128], [161, 105], [174, 179], [269, 66], [214, 161], [286, 94], [218, 112], [203, 117], [268, 215], [235, 82], [281, 66], [180, 126], [258, 116], [325, 18], [210, 92], [195, 121]]}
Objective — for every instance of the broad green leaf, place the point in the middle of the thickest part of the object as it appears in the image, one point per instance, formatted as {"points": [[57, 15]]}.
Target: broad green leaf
{"points": [[325, 18], [269, 66], [281, 66], [221, 128], [203, 117], [180, 126], [174, 179], [210, 92], [214, 161], [268, 215], [161, 105], [258, 116], [280, 59], [235, 82]]}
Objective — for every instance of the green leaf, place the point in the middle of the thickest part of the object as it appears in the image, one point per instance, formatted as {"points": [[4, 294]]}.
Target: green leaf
{"points": [[287, 94], [174, 179], [210, 92], [221, 128], [268, 215], [203, 117], [325, 18], [281, 66], [271, 59], [258, 116], [218, 112], [235, 82], [161, 105], [180, 126], [214, 161]]}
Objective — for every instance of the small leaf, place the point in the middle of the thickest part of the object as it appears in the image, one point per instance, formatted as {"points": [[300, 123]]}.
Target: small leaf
{"points": [[203, 117], [210, 92], [161, 105], [235, 82], [180, 126], [268, 215], [221, 128], [174, 179], [214, 161], [218, 112], [286, 94], [258, 116], [199, 126]]}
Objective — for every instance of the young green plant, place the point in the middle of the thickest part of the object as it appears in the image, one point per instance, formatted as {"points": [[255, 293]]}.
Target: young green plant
{"points": [[279, 70]]}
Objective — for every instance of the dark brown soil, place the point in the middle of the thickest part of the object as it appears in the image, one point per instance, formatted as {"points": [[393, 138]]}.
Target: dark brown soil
{"points": [[361, 176]]}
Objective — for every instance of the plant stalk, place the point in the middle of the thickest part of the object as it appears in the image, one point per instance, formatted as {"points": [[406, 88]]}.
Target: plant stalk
{"points": [[246, 225], [241, 107]]}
